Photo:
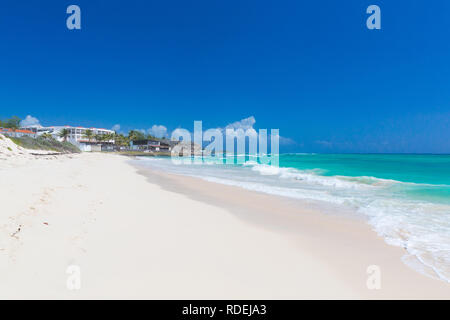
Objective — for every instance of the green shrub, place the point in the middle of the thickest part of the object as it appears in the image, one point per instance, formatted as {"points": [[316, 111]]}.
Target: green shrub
{"points": [[41, 143]]}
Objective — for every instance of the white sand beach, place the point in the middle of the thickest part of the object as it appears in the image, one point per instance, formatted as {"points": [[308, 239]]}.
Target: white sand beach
{"points": [[161, 236]]}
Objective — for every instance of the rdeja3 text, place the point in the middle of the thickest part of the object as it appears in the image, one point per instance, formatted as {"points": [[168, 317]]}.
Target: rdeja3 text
{"points": [[231, 309]]}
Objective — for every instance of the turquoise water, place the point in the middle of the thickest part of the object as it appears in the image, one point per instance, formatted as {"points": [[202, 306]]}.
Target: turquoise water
{"points": [[432, 169], [405, 198], [429, 173]]}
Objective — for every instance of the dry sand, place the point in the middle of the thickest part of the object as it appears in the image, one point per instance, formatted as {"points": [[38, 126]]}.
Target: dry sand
{"points": [[159, 236]]}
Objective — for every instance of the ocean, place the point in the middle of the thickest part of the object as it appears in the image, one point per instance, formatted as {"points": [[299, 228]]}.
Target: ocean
{"points": [[405, 198]]}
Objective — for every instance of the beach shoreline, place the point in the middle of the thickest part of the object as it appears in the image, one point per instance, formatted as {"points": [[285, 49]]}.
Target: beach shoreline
{"points": [[304, 223], [140, 234]]}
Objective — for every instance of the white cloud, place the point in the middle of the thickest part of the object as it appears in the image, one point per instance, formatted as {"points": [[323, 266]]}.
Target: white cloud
{"points": [[116, 127], [287, 141], [243, 124], [180, 132], [158, 131], [30, 121], [248, 123]]}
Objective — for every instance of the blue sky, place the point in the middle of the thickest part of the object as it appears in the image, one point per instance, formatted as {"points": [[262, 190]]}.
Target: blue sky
{"points": [[310, 68]]}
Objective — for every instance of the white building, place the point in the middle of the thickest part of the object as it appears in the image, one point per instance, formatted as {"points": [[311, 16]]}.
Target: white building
{"points": [[77, 136]]}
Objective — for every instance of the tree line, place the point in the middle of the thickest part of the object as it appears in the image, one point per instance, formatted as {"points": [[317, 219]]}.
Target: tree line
{"points": [[11, 123]]}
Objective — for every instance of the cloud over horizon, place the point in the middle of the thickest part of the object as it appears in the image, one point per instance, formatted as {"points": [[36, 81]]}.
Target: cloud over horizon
{"points": [[248, 124], [243, 124], [30, 121], [115, 127], [161, 131], [158, 131]]}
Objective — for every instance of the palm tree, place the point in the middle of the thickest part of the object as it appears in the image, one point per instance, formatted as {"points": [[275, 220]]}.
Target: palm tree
{"points": [[121, 140], [109, 136], [89, 134], [64, 134], [47, 136], [150, 137], [99, 137], [134, 135]]}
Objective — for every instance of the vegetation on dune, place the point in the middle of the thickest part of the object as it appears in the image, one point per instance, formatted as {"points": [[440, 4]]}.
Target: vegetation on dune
{"points": [[43, 143]]}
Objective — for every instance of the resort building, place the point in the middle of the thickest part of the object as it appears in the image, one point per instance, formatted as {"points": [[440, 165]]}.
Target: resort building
{"points": [[17, 133], [149, 145], [76, 136]]}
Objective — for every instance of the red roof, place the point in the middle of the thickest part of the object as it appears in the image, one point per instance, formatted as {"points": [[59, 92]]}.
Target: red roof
{"points": [[18, 130], [25, 131]]}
